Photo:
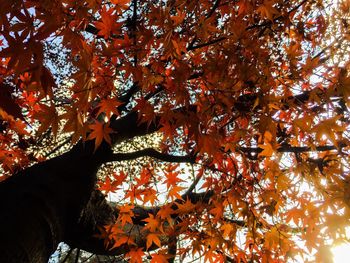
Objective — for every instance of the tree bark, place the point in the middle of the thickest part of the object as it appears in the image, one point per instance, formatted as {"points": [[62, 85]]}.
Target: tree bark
{"points": [[41, 205], [44, 204]]}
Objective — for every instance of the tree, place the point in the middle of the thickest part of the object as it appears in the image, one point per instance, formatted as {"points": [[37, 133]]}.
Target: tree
{"points": [[222, 126]]}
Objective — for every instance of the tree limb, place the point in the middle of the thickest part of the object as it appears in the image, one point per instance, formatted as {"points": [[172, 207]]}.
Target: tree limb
{"points": [[87, 232], [286, 148], [150, 152]]}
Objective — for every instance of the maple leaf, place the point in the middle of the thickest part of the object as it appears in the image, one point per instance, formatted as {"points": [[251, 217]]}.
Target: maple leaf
{"points": [[294, 214], [228, 228], [178, 18], [268, 147], [208, 143], [109, 107], [125, 214], [135, 255], [172, 176], [273, 237], [149, 195], [145, 177], [74, 124], [8, 104], [152, 223], [168, 130], [159, 258], [133, 193], [267, 150], [119, 178], [146, 111], [108, 24], [165, 213], [329, 128], [267, 10], [214, 257], [186, 207], [99, 132], [48, 117], [106, 186], [110, 186], [152, 238], [217, 211], [121, 4], [122, 239], [174, 192]]}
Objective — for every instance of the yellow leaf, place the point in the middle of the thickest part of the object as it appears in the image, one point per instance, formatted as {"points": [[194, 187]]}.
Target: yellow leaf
{"points": [[228, 229], [328, 128], [267, 150], [272, 238]]}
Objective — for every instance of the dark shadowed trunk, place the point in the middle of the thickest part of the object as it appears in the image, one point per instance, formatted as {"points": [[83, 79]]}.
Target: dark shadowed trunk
{"points": [[41, 206], [45, 204]]}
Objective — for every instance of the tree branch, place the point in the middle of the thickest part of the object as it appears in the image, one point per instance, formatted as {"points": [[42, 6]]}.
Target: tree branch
{"points": [[215, 6], [150, 152], [134, 26], [127, 96], [206, 44], [99, 213], [286, 148], [128, 127]]}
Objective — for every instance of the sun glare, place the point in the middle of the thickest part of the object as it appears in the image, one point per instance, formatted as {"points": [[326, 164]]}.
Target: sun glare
{"points": [[341, 253]]}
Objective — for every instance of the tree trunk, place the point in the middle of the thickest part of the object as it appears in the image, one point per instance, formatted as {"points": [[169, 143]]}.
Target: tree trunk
{"points": [[41, 206], [44, 204]]}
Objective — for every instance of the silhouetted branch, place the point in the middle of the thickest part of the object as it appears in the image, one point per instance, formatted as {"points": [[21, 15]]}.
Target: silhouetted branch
{"points": [[285, 148], [150, 152]]}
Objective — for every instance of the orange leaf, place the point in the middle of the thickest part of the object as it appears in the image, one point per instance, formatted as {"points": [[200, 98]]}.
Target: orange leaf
{"points": [[149, 195], [125, 214], [267, 149], [171, 176], [217, 211], [186, 207], [152, 238], [159, 258], [107, 24], [48, 118], [99, 132], [174, 192], [267, 10], [120, 2], [152, 223], [122, 239], [135, 255], [165, 212], [109, 107], [74, 124]]}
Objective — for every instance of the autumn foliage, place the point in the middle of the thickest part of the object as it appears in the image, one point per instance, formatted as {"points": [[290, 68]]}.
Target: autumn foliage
{"points": [[243, 108]]}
